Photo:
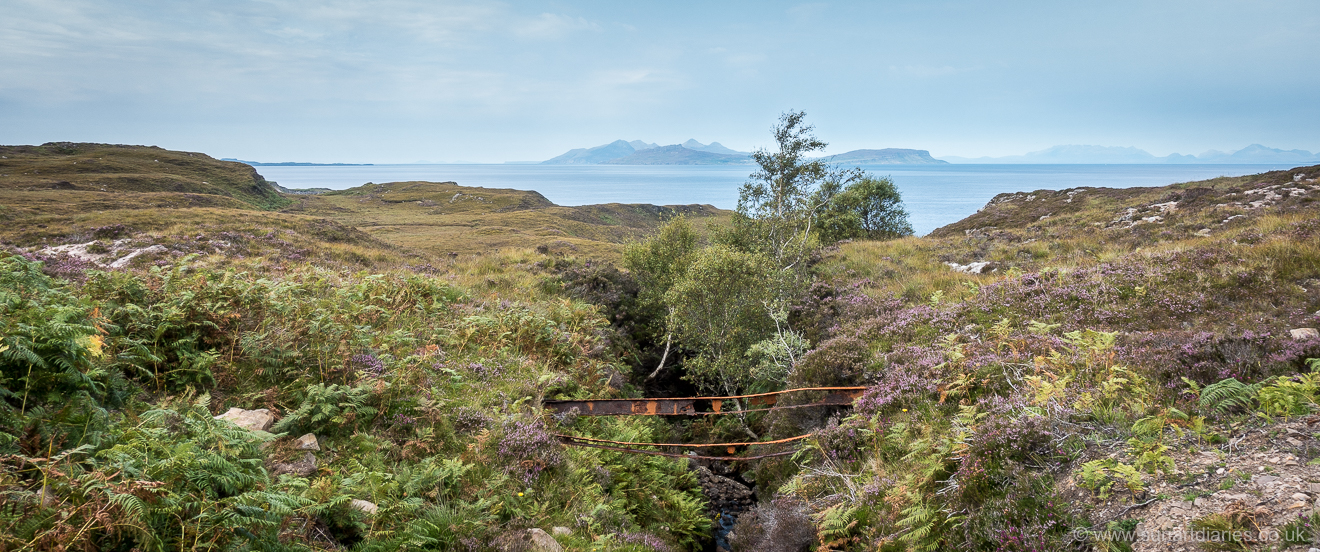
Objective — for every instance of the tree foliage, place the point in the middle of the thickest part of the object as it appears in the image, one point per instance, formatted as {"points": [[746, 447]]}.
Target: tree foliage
{"points": [[868, 208], [792, 200], [720, 311]]}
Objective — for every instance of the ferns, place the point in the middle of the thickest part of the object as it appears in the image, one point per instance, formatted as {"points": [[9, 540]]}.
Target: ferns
{"points": [[1230, 394], [327, 409]]}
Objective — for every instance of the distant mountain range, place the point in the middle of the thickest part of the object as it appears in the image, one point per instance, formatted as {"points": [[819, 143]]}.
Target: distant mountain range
{"points": [[1107, 155]]}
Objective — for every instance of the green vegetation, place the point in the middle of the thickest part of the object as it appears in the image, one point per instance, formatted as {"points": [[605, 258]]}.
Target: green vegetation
{"points": [[1103, 336]]}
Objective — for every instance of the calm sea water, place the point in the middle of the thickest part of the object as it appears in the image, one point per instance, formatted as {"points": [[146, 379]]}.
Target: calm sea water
{"points": [[935, 195]]}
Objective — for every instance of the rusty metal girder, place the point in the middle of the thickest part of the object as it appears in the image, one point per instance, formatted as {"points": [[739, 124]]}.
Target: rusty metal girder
{"points": [[698, 406]]}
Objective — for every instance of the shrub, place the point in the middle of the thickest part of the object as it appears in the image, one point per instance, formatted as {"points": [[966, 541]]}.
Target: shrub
{"points": [[527, 448], [839, 362], [781, 525]]}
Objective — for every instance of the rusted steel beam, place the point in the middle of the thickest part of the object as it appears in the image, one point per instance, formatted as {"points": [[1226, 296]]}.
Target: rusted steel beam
{"points": [[685, 456], [698, 406]]}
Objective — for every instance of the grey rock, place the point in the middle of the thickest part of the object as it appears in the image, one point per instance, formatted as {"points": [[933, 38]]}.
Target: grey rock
{"points": [[561, 531], [1266, 479], [255, 420], [307, 442]]}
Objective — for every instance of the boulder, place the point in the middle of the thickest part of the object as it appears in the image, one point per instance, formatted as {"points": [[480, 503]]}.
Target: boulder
{"points": [[542, 541], [368, 507], [561, 531], [254, 420], [307, 442], [301, 468], [531, 540], [1304, 333]]}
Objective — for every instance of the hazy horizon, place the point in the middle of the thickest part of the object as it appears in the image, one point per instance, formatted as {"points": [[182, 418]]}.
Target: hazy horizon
{"points": [[403, 81]]}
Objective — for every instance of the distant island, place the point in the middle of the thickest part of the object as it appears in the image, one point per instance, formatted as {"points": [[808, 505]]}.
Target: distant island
{"points": [[887, 156], [296, 164], [1109, 155], [678, 155], [637, 152], [692, 152]]}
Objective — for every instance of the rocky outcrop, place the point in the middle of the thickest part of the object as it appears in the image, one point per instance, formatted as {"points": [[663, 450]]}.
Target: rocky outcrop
{"points": [[117, 254]]}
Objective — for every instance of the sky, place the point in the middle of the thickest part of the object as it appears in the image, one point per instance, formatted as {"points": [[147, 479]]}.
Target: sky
{"points": [[401, 81]]}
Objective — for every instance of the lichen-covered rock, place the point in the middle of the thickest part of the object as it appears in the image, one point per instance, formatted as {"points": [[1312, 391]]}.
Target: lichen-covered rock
{"points": [[307, 442], [1304, 333], [255, 420]]}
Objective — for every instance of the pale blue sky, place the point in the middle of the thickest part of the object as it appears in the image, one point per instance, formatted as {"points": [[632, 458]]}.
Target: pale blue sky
{"points": [[399, 81]]}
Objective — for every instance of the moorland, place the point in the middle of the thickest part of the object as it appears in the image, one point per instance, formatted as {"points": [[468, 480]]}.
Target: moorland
{"points": [[1063, 370]]}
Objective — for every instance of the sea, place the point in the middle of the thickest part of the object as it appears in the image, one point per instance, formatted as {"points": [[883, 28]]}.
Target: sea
{"points": [[934, 195]]}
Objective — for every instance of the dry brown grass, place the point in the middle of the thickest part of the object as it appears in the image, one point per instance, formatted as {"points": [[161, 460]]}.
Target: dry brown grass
{"points": [[442, 218]]}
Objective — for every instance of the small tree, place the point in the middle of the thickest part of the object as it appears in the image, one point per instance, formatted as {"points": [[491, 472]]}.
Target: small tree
{"points": [[869, 208], [779, 204], [719, 309], [658, 263]]}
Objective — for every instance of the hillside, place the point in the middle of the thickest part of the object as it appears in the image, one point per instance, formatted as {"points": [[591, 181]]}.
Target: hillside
{"points": [[443, 218], [133, 176], [65, 193]]}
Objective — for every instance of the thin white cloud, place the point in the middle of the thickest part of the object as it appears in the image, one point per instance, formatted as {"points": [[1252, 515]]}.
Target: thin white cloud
{"points": [[553, 26]]}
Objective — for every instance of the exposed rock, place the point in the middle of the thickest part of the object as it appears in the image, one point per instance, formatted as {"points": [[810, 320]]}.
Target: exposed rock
{"points": [[307, 442], [121, 251], [123, 261], [725, 495], [561, 531], [368, 507], [1304, 333], [255, 420], [979, 267], [531, 540], [1281, 487], [301, 468]]}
